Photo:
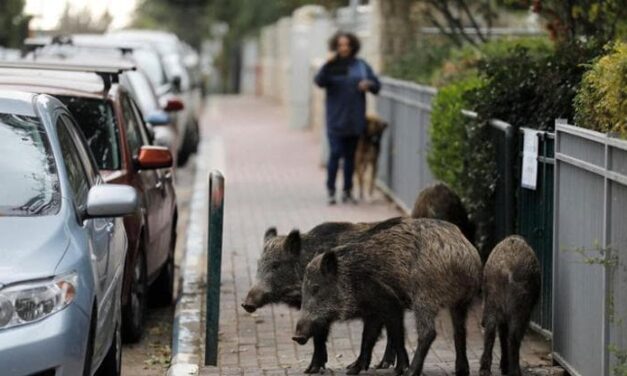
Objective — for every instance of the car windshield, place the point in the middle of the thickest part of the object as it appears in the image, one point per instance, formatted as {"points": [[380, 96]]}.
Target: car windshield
{"points": [[96, 119], [30, 184]]}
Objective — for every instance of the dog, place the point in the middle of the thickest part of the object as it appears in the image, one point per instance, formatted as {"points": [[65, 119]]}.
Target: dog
{"points": [[367, 153]]}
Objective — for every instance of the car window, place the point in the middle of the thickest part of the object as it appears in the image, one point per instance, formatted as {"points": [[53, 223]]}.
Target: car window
{"points": [[76, 173], [85, 154], [143, 92], [96, 119], [150, 62], [142, 125], [30, 183], [132, 127]]}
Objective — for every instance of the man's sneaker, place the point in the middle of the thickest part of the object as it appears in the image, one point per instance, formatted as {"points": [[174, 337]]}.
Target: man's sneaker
{"points": [[347, 198], [331, 199]]}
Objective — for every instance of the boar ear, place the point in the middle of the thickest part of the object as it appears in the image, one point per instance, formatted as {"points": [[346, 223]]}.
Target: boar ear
{"points": [[328, 265], [270, 233], [292, 242]]}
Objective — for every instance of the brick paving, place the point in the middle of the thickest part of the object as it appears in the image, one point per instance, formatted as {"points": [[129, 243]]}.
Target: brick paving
{"points": [[273, 178]]}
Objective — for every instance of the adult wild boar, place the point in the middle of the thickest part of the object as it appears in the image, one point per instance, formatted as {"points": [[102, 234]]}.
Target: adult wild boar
{"points": [[439, 201], [281, 267], [511, 288], [421, 264]]}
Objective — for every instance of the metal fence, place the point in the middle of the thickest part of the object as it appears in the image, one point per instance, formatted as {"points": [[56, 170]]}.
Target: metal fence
{"points": [[534, 221], [590, 243], [403, 168]]}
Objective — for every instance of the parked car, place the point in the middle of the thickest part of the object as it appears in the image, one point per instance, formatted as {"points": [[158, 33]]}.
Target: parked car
{"points": [[119, 139], [146, 58], [62, 248], [184, 83]]}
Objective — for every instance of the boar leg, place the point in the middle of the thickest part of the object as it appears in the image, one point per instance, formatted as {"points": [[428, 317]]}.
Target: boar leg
{"points": [[319, 358], [459, 313], [425, 326], [503, 333], [389, 356], [488, 345], [372, 330], [517, 328], [396, 335]]}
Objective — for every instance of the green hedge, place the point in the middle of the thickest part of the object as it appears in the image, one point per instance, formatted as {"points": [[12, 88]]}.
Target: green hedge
{"points": [[601, 103]]}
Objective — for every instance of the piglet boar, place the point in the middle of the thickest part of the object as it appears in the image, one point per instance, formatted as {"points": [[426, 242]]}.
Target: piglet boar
{"points": [[511, 288], [281, 267], [439, 201], [421, 264]]}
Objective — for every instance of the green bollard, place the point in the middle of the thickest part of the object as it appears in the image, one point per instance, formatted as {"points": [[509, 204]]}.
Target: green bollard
{"points": [[214, 264]]}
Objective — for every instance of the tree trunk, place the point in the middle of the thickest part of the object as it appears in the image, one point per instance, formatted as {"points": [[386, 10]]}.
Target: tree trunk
{"points": [[397, 31]]}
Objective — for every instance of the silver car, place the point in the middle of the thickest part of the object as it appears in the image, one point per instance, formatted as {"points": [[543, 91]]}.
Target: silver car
{"points": [[62, 249]]}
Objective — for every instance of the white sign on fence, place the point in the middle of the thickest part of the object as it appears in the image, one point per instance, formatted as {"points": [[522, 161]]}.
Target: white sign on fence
{"points": [[530, 159]]}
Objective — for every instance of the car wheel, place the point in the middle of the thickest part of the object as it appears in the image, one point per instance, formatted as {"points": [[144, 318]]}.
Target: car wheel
{"points": [[162, 290], [190, 143], [134, 313], [112, 363]]}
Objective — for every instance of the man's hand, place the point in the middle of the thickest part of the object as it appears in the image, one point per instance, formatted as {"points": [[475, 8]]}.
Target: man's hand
{"points": [[364, 85], [332, 56]]}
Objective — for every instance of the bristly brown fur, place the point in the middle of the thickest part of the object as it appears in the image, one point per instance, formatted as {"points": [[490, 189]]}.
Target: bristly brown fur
{"points": [[421, 264], [281, 267], [511, 288], [439, 201]]}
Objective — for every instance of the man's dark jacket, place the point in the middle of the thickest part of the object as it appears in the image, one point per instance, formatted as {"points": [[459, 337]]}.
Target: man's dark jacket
{"points": [[345, 103]]}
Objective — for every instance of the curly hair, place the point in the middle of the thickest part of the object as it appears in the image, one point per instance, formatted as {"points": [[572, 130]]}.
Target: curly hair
{"points": [[353, 41]]}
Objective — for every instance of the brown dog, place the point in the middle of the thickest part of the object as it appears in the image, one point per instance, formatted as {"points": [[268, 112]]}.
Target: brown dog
{"points": [[367, 153]]}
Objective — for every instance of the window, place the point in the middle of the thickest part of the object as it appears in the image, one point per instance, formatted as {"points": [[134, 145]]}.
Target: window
{"points": [[76, 173], [133, 132], [84, 153], [96, 120], [30, 184]]}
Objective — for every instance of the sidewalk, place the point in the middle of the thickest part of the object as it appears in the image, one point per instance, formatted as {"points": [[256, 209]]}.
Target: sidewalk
{"points": [[273, 179]]}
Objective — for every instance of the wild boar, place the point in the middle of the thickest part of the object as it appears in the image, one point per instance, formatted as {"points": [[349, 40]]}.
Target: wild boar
{"points": [[281, 267], [511, 288], [439, 201], [420, 264]]}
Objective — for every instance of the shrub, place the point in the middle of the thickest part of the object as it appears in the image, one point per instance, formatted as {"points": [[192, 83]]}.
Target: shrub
{"points": [[448, 133], [531, 88], [464, 62], [601, 103]]}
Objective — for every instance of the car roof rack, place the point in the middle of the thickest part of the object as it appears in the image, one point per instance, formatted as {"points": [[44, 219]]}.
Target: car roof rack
{"points": [[109, 73], [34, 43]]}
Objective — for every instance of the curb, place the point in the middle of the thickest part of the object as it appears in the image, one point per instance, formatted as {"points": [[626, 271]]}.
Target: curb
{"points": [[188, 327]]}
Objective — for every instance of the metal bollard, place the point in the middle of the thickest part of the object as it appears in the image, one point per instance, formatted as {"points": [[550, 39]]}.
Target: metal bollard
{"points": [[214, 264]]}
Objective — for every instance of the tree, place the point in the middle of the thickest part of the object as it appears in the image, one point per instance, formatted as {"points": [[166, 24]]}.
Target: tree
{"points": [[569, 20], [13, 23], [454, 17], [82, 21]]}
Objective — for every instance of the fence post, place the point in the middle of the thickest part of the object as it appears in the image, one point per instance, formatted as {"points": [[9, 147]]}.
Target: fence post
{"points": [[214, 264]]}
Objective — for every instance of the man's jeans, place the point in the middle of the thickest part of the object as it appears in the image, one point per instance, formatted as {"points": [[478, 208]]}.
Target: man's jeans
{"points": [[342, 147]]}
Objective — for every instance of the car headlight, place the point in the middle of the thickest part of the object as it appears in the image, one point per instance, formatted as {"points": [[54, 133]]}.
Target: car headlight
{"points": [[28, 302]]}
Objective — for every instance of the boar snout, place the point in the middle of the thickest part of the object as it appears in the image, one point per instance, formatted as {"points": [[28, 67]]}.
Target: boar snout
{"points": [[255, 299], [303, 332]]}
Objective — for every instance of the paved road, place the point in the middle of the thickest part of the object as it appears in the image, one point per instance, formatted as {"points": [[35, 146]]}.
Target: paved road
{"points": [[151, 356], [273, 179]]}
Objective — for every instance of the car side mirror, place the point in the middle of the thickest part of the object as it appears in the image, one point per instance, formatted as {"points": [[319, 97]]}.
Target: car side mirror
{"points": [[154, 157], [173, 104], [158, 118], [111, 200]]}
